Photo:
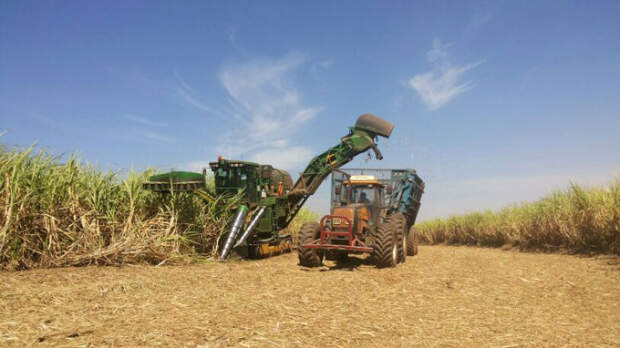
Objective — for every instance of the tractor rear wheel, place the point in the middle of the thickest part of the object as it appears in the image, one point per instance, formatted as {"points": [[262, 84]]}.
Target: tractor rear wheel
{"points": [[412, 242], [308, 233], [385, 244]]}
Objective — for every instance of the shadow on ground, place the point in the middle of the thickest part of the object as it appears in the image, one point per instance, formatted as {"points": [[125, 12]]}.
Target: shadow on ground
{"points": [[350, 263]]}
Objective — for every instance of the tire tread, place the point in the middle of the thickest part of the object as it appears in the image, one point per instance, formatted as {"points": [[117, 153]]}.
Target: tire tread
{"points": [[308, 233]]}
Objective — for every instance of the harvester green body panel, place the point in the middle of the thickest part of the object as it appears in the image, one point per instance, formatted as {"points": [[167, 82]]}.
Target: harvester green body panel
{"points": [[265, 224], [177, 177], [263, 186], [177, 182]]}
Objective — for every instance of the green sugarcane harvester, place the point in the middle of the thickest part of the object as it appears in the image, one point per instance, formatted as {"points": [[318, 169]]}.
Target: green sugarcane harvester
{"points": [[269, 198]]}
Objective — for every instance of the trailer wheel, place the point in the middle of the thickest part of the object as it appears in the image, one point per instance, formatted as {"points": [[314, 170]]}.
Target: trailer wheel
{"points": [[385, 244], [308, 233], [412, 242], [399, 224]]}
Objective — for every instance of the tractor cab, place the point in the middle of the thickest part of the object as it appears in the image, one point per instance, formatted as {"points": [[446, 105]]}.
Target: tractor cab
{"points": [[360, 200], [362, 190]]}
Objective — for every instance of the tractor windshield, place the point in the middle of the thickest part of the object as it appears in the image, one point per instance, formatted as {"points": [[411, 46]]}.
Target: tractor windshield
{"points": [[362, 194]]}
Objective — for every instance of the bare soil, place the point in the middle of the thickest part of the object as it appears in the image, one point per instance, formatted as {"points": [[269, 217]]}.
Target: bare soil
{"points": [[445, 296]]}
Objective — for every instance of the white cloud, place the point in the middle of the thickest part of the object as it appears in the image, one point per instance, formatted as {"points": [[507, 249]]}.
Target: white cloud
{"points": [[145, 131], [190, 98], [264, 97], [197, 166], [323, 64], [443, 82], [287, 158], [263, 109], [476, 22], [144, 121], [154, 136]]}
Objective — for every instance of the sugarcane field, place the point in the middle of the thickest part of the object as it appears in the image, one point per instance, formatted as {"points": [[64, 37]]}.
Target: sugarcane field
{"points": [[445, 296], [309, 174]]}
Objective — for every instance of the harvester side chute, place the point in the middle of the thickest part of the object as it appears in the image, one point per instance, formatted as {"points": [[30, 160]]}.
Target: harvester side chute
{"points": [[242, 211], [250, 227]]}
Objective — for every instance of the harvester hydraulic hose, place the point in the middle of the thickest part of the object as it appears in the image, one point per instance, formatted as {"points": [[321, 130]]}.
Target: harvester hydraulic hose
{"points": [[251, 226], [239, 220]]}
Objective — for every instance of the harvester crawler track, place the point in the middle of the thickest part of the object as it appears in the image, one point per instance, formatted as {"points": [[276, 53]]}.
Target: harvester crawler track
{"points": [[310, 232]]}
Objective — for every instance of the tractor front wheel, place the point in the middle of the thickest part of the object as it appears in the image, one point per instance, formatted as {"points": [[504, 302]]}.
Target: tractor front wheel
{"points": [[385, 244], [308, 257]]}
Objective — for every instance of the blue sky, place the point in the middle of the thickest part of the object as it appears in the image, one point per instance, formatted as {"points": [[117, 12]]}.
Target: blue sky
{"points": [[494, 102]]}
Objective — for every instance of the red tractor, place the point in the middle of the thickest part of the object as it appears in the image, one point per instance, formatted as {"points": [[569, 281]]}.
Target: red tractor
{"points": [[368, 215]]}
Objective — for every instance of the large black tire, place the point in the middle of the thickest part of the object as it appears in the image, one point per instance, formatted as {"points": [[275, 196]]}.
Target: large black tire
{"points": [[398, 222], [412, 242], [309, 232], [385, 244]]}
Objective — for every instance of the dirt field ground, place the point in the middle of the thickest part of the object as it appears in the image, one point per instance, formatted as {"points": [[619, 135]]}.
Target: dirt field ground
{"points": [[445, 296]]}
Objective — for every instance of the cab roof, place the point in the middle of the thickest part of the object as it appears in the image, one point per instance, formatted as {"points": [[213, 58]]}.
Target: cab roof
{"points": [[363, 180], [236, 163]]}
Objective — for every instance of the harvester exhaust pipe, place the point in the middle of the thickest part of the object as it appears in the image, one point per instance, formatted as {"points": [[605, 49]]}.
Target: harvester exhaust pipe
{"points": [[239, 220], [251, 226]]}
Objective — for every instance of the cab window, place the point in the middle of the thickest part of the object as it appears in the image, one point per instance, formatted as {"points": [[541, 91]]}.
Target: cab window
{"points": [[362, 194]]}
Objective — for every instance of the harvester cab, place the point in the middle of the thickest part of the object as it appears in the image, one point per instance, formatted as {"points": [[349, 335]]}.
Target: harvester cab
{"points": [[235, 177], [254, 181]]}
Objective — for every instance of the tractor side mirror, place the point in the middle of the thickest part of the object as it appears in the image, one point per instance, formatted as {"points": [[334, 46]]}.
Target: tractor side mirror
{"points": [[388, 189], [338, 189]]}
